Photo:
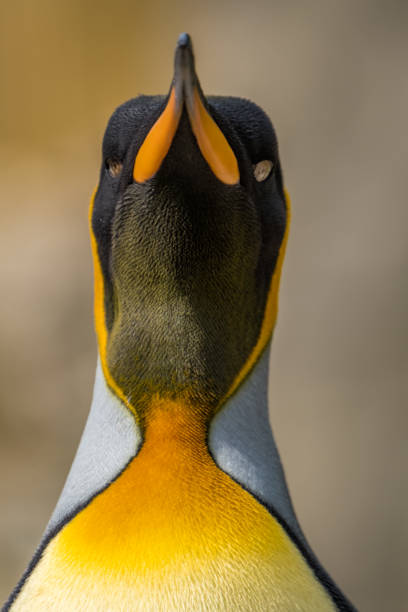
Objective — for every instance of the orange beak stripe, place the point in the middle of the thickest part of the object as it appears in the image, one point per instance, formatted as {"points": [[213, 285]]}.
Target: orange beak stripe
{"points": [[212, 142], [158, 141]]}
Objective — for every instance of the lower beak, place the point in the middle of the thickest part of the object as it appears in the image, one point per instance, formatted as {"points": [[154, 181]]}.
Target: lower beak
{"points": [[186, 90]]}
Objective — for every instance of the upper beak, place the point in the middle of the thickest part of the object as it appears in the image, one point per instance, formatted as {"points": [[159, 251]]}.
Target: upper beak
{"points": [[185, 89]]}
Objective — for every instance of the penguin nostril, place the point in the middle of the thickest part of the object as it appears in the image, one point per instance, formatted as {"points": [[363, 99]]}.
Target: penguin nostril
{"points": [[114, 167]]}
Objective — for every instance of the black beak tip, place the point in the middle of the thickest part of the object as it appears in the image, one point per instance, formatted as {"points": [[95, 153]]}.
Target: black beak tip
{"points": [[184, 40], [184, 71]]}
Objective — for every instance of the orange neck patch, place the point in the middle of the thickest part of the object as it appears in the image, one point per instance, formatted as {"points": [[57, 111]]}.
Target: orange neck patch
{"points": [[173, 532]]}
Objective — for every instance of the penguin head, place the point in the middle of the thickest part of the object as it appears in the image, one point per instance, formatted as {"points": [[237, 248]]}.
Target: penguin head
{"points": [[187, 224]]}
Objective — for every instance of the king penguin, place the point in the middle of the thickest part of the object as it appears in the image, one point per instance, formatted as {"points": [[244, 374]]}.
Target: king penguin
{"points": [[176, 499]]}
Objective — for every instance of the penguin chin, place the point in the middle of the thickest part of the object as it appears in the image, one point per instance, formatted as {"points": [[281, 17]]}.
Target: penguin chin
{"points": [[183, 273], [167, 235]]}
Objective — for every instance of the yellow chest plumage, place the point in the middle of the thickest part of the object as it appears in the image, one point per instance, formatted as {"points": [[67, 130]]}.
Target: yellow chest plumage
{"points": [[173, 532]]}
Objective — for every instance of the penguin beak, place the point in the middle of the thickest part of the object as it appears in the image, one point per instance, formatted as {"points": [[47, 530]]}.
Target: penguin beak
{"points": [[186, 90]]}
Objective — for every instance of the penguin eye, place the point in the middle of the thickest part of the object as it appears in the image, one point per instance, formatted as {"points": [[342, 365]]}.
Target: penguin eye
{"points": [[262, 169], [114, 167]]}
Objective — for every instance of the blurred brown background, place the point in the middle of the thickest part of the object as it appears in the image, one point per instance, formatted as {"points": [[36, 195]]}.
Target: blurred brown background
{"points": [[333, 77]]}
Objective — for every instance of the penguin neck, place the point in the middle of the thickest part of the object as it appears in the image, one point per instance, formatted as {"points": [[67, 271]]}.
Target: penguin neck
{"points": [[242, 443], [238, 439], [173, 429]]}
